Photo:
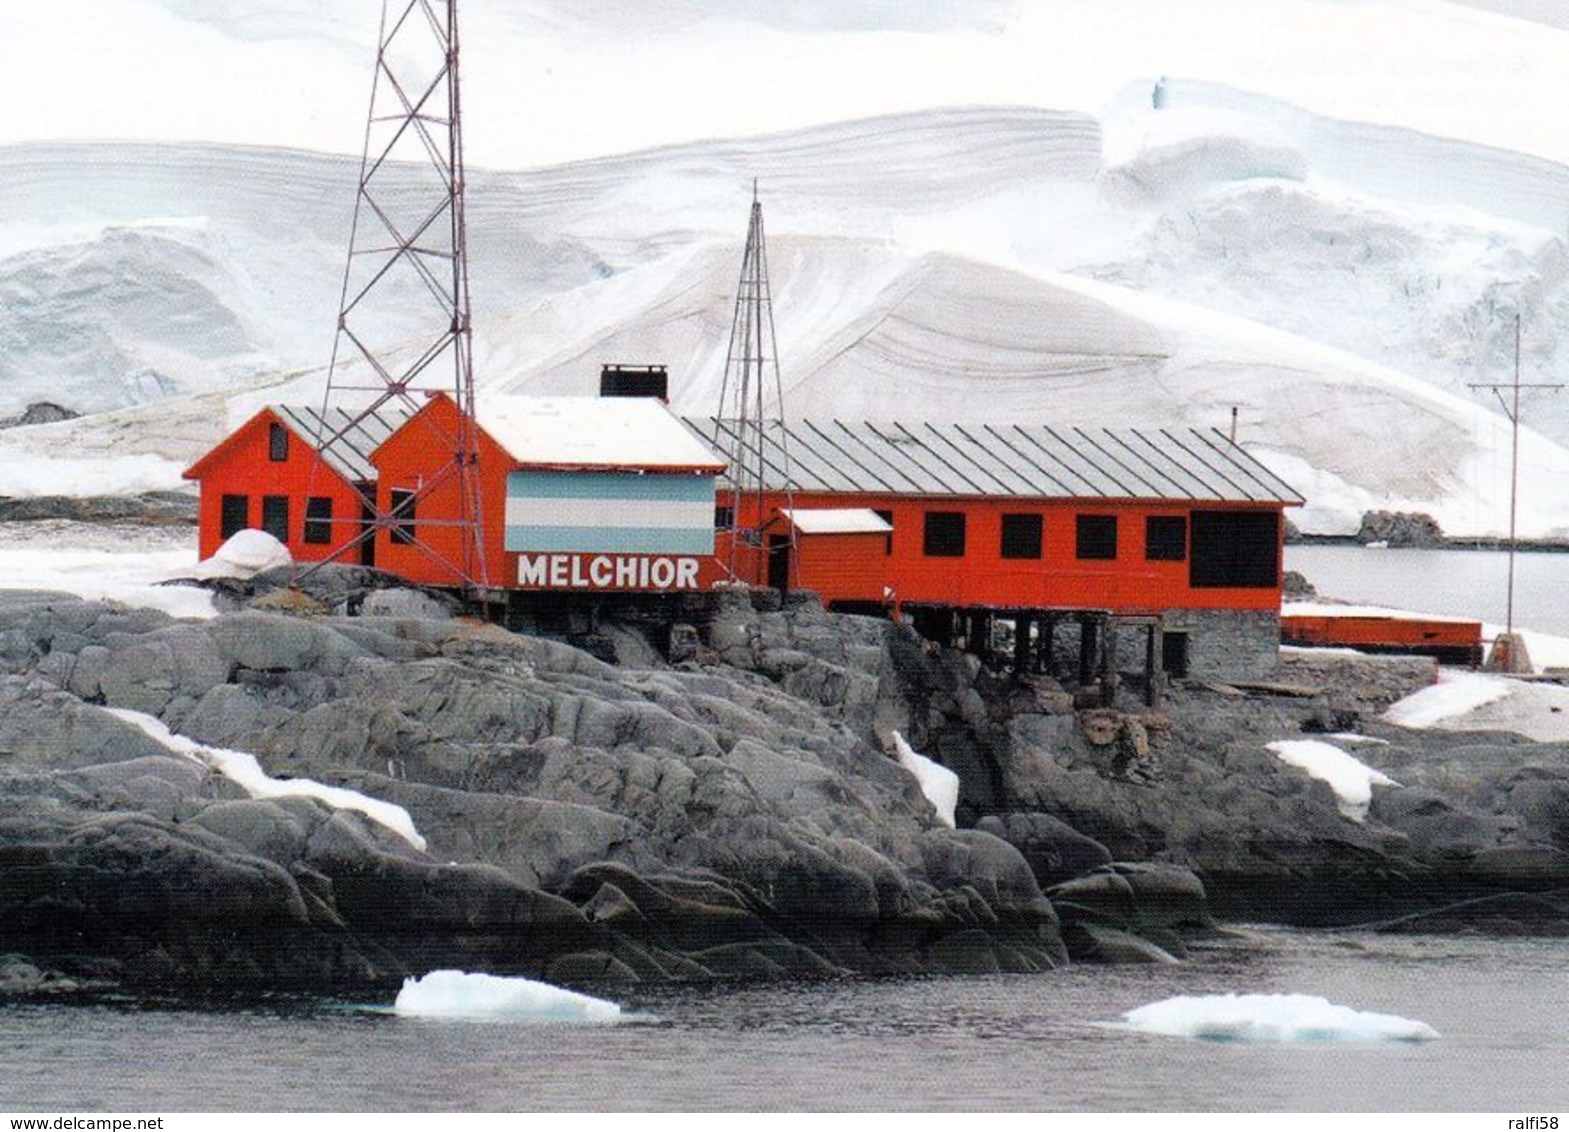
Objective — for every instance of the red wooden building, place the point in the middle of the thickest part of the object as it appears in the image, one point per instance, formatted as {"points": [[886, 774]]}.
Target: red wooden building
{"points": [[1176, 530], [577, 493], [270, 475]]}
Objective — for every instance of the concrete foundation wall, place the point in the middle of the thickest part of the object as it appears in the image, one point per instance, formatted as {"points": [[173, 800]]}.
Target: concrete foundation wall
{"points": [[1242, 644], [1221, 643]]}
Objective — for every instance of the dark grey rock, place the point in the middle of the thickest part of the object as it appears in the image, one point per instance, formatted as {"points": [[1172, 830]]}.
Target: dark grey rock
{"points": [[1054, 850], [1097, 943]]}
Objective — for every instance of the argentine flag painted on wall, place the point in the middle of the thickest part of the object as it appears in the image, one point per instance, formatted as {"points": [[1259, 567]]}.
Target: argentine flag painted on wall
{"points": [[610, 513]]}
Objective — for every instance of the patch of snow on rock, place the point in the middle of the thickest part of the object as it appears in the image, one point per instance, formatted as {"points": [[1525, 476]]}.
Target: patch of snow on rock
{"points": [[1351, 780], [461, 994], [244, 555], [938, 783], [243, 769], [1456, 694]]}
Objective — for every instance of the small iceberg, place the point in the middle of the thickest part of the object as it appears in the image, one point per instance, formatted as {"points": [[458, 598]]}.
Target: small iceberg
{"points": [[1270, 1018], [459, 994]]}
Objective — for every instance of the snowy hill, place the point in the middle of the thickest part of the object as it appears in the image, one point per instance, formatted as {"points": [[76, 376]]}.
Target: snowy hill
{"points": [[1186, 249]]}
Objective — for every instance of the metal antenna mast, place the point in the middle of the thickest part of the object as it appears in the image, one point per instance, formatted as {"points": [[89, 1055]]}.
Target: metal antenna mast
{"points": [[1512, 411], [752, 358], [404, 324]]}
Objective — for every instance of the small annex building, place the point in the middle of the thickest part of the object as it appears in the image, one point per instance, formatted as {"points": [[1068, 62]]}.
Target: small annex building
{"points": [[273, 474], [1176, 531]]}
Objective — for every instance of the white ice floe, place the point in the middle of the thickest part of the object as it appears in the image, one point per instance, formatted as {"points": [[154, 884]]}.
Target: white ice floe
{"points": [[938, 783], [1271, 1018], [1351, 780], [1456, 694], [243, 769], [460, 994]]}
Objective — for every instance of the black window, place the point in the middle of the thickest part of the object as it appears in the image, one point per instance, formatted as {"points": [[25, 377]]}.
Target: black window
{"points": [[1021, 536], [1095, 537], [944, 536], [275, 516], [236, 514], [318, 520], [724, 517], [1165, 538], [403, 512], [1235, 548], [277, 442]]}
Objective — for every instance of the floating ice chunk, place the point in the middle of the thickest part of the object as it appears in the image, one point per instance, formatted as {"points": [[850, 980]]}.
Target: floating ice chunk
{"points": [[243, 770], [1455, 694], [459, 994], [938, 783], [244, 555], [1270, 1018], [1351, 780]]}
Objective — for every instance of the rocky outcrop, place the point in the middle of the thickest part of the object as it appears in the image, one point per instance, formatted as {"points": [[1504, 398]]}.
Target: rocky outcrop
{"points": [[152, 508], [39, 412], [580, 819], [1400, 529], [729, 815]]}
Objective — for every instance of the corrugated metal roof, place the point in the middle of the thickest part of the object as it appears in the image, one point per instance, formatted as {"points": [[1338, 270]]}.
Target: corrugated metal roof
{"points": [[348, 453], [1027, 461]]}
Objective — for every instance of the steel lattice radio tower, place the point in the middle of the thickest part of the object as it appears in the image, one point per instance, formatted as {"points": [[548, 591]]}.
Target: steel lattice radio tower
{"points": [[404, 326], [750, 380]]}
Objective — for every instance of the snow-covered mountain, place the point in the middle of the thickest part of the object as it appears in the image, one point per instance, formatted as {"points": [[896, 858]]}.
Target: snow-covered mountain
{"points": [[1186, 249]]}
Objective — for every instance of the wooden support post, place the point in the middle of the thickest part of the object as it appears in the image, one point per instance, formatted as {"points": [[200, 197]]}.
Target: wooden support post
{"points": [[1086, 649], [1108, 662], [1021, 645], [1154, 665]]}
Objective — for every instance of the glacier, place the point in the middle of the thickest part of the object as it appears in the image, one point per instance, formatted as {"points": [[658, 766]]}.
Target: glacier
{"points": [[1128, 239]]}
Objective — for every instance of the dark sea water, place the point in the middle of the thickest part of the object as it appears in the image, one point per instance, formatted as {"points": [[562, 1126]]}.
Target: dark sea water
{"points": [[991, 1042]]}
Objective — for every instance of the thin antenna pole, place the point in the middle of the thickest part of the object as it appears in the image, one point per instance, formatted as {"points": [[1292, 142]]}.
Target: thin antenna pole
{"points": [[1511, 409], [1514, 484], [743, 401]]}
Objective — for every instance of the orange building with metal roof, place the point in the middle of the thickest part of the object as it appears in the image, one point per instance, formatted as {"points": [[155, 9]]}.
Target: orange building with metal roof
{"points": [[1167, 528], [272, 474]]}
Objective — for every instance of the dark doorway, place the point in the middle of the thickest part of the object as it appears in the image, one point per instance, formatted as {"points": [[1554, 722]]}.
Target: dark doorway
{"points": [[779, 562], [368, 543], [236, 515], [1174, 653], [275, 516]]}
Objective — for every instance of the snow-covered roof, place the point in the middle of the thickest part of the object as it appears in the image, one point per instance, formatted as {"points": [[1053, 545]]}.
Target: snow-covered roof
{"points": [[836, 520], [615, 432], [345, 443], [1029, 461]]}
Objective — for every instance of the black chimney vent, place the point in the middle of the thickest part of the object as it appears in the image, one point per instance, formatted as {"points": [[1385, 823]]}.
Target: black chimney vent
{"points": [[634, 381]]}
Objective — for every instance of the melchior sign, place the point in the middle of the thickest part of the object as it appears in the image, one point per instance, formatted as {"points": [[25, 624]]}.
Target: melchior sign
{"points": [[608, 571]]}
